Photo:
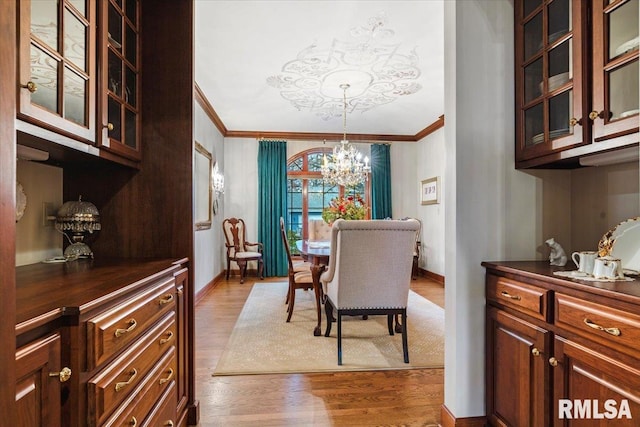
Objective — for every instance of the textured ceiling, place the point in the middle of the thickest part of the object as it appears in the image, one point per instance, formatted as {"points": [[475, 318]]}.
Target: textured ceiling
{"points": [[276, 66]]}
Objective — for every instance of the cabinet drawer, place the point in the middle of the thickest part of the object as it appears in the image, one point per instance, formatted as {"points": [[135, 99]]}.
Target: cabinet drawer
{"points": [[138, 405], [115, 329], [612, 327], [114, 383], [164, 413], [529, 299]]}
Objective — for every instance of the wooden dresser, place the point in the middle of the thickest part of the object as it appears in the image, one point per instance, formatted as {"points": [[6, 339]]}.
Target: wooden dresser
{"points": [[100, 343], [552, 342]]}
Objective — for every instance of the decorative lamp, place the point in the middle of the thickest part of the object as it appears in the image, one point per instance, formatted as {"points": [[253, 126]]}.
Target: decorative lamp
{"points": [[77, 221], [345, 167], [218, 181]]}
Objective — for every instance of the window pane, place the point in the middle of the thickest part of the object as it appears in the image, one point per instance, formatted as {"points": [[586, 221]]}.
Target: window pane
{"points": [[533, 125], [623, 87], [559, 113], [80, 6], [533, 36], [75, 40], [44, 22], [74, 97], [130, 128], [44, 73], [295, 165], [623, 29], [559, 19], [115, 119], [315, 161]]}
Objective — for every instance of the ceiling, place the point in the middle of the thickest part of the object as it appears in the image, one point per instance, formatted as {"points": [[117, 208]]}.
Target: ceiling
{"points": [[277, 66]]}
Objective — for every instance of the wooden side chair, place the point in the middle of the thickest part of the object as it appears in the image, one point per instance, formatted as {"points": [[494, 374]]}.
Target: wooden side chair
{"points": [[299, 278], [238, 247], [369, 272]]}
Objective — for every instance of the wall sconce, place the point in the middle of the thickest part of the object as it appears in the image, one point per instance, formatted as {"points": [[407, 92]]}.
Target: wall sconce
{"points": [[218, 181]]}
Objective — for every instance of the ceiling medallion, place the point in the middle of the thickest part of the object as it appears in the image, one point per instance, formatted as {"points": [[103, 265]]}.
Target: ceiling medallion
{"points": [[378, 72]]}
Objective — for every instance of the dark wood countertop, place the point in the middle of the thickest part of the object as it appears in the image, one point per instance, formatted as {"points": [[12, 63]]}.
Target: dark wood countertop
{"points": [[45, 292], [542, 270]]}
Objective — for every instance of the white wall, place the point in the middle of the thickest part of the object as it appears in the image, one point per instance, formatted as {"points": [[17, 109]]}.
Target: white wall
{"points": [[209, 249], [492, 211], [34, 241]]}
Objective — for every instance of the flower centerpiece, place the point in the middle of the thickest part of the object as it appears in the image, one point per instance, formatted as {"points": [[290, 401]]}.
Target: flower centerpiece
{"points": [[350, 207]]}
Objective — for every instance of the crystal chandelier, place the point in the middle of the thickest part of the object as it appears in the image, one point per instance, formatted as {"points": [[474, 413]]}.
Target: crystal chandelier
{"points": [[218, 181], [345, 167]]}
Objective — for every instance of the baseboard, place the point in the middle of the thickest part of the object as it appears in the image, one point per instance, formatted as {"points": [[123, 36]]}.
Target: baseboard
{"points": [[209, 287], [448, 420], [431, 275]]}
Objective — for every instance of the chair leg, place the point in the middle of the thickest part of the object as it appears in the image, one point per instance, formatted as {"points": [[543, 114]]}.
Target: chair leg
{"points": [[405, 345], [292, 302], [414, 268], [390, 323], [228, 267], [242, 265], [398, 327], [328, 309], [261, 269], [339, 337]]}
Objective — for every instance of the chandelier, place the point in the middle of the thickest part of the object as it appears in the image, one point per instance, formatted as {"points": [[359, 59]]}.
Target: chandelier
{"points": [[345, 165]]}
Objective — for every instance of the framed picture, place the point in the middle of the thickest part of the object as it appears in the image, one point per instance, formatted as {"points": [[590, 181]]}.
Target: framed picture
{"points": [[430, 191], [203, 168]]}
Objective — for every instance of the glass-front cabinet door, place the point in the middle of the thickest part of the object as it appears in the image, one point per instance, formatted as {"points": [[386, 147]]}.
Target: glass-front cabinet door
{"points": [[120, 71], [549, 76], [56, 77], [615, 68]]}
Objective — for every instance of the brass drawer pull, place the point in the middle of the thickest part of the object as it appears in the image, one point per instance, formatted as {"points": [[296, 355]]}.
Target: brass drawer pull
{"points": [[123, 384], [167, 339], [535, 351], [63, 375], [553, 361], [164, 380], [611, 331], [166, 300], [508, 295], [133, 422], [168, 423], [132, 325]]}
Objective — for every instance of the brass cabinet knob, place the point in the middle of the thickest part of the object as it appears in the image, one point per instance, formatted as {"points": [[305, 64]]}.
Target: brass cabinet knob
{"points": [[109, 126], [133, 422], [535, 351], [573, 121], [169, 423], [594, 115], [63, 375], [553, 361], [30, 86]]}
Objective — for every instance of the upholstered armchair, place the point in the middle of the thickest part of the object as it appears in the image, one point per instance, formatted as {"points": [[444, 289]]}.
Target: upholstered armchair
{"points": [[369, 272], [319, 230], [238, 248]]}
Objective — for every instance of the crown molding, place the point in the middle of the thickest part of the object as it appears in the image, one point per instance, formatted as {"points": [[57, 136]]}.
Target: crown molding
{"points": [[307, 136], [208, 108]]}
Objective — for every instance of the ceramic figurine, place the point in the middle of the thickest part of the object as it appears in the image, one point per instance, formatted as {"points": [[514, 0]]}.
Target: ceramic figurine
{"points": [[557, 255]]}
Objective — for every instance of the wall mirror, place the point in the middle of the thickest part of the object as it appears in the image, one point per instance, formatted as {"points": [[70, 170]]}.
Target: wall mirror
{"points": [[202, 170]]}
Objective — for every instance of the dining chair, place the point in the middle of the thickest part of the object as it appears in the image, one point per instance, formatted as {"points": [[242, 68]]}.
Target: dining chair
{"points": [[319, 230], [369, 272], [238, 247], [298, 278]]}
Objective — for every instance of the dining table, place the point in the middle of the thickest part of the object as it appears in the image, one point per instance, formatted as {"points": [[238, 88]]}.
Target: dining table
{"points": [[317, 254]]}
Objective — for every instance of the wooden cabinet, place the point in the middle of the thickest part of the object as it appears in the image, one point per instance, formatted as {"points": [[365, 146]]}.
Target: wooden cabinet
{"points": [[121, 334], [120, 81], [57, 66], [578, 343], [516, 371], [576, 79], [39, 378]]}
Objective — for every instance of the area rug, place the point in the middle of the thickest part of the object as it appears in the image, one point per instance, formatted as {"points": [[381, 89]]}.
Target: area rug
{"points": [[262, 342]]}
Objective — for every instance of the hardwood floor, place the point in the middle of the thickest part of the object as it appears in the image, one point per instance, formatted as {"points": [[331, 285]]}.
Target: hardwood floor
{"points": [[402, 397]]}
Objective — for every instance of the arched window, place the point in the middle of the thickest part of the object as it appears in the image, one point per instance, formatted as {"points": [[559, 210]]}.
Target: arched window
{"points": [[308, 194]]}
